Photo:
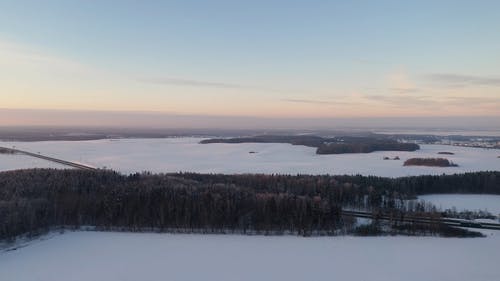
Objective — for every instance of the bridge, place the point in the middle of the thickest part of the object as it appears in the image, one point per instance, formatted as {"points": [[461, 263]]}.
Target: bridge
{"points": [[48, 158], [424, 220]]}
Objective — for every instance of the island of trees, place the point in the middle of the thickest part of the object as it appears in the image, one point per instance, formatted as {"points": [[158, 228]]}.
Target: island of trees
{"points": [[432, 162], [337, 145], [4, 150], [37, 200], [365, 147]]}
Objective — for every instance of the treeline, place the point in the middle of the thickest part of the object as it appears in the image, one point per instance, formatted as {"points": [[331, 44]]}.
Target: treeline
{"points": [[468, 183], [4, 150], [356, 189], [306, 140], [35, 200], [432, 162], [340, 148]]}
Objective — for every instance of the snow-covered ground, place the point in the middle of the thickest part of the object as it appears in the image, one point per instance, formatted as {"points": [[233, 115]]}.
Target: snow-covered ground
{"points": [[108, 256], [186, 154], [78, 256], [471, 202]]}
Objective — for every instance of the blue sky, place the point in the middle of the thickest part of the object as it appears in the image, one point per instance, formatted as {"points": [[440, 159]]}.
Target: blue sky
{"points": [[253, 58]]}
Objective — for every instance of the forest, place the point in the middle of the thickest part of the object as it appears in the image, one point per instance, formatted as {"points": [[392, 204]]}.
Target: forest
{"points": [[36, 200], [365, 147], [4, 150], [432, 162]]}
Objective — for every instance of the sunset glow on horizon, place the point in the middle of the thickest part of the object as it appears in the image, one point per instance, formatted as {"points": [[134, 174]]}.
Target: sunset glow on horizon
{"points": [[279, 59]]}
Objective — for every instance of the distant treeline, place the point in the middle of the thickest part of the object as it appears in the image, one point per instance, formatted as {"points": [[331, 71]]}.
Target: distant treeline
{"points": [[432, 162], [4, 150], [306, 140], [338, 148], [487, 182], [33, 201], [336, 145]]}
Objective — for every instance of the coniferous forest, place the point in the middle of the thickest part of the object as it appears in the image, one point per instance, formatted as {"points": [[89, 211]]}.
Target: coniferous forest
{"points": [[36, 200]]}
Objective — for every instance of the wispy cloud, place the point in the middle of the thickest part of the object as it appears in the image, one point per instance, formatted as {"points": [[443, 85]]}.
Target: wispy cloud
{"points": [[461, 101], [191, 82], [461, 80], [212, 84], [400, 100], [368, 61], [17, 55], [404, 90], [400, 82], [306, 101], [431, 102], [317, 102]]}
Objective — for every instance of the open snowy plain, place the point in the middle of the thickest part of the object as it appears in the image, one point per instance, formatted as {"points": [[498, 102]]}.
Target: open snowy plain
{"points": [[107, 256], [186, 154], [461, 202]]}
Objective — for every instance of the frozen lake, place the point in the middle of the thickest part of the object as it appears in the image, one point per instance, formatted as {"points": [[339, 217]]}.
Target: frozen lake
{"points": [[471, 202], [186, 154], [106, 256]]}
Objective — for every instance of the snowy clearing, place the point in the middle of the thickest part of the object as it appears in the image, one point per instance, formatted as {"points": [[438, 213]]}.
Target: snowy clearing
{"points": [[186, 154], [471, 202], [76, 256]]}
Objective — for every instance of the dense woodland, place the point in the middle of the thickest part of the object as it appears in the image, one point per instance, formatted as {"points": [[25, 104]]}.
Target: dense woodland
{"points": [[4, 150], [33, 201], [365, 147], [432, 162]]}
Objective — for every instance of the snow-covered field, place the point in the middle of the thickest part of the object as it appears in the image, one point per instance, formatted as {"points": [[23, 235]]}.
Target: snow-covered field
{"points": [[78, 256], [186, 154], [471, 202]]}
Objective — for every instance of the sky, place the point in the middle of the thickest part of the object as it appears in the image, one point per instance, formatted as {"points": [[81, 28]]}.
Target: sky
{"points": [[263, 59]]}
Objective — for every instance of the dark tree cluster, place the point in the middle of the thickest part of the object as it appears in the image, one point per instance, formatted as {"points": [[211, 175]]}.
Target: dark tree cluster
{"points": [[442, 230], [35, 200], [306, 140], [360, 191], [487, 182], [340, 148], [4, 150], [432, 162]]}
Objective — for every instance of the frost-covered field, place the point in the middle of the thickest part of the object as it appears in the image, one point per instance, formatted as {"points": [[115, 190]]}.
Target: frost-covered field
{"points": [[186, 154], [471, 202], [106, 256]]}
